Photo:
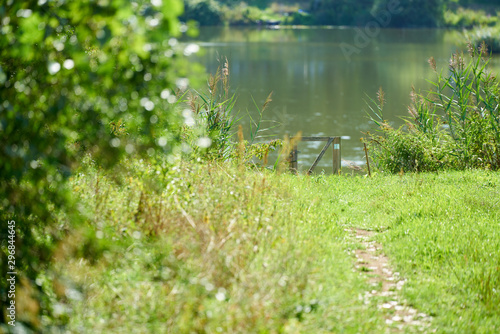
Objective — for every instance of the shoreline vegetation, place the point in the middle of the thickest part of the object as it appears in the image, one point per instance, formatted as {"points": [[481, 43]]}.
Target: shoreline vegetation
{"points": [[447, 14], [479, 21]]}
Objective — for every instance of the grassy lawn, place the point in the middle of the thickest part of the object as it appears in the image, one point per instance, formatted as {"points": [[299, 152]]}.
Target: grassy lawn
{"points": [[442, 233], [213, 248]]}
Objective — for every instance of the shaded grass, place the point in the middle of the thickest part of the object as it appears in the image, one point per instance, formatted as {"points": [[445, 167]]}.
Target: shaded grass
{"points": [[214, 248]]}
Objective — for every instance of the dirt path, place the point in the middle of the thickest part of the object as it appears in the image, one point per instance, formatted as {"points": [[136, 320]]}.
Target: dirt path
{"points": [[386, 284]]}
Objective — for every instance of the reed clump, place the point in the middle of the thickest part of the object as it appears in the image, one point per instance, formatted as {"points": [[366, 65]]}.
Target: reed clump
{"points": [[210, 130], [455, 125]]}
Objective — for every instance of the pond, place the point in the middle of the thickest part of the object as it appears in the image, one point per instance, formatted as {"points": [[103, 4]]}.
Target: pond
{"points": [[322, 78]]}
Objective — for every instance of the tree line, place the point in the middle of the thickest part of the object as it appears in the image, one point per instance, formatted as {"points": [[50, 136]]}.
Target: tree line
{"points": [[412, 13]]}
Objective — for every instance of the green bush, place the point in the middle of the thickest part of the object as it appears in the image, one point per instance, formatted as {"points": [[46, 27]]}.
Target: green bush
{"points": [[407, 150], [456, 125]]}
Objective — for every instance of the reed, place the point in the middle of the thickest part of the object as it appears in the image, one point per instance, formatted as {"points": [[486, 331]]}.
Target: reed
{"points": [[213, 119], [455, 125]]}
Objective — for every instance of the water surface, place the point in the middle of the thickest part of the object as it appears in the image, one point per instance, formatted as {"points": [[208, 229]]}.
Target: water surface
{"points": [[318, 88]]}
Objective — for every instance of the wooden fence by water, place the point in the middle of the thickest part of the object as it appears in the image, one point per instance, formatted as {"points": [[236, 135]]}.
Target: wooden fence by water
{"points": [[294, 159]]}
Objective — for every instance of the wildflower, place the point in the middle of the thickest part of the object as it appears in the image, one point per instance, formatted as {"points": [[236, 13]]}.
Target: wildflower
{"points": [[456, 62]]}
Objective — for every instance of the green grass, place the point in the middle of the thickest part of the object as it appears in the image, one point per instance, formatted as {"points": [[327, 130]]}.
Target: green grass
{"points": [[214, 248], [441, 232]]}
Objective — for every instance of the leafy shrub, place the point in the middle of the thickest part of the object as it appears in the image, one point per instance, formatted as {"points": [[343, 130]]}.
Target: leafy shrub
{"points": [[210, 124], [409, 151], [456, 125]]}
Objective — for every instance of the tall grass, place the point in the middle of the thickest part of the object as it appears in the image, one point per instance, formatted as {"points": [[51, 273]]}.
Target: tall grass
{"points": [[212, 248], [216, 248], [210, 125], [455, 125], [214, 115]]}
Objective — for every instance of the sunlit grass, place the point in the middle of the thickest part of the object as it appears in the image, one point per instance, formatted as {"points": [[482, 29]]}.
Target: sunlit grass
{"points": [[215, 248], [442, 232]]}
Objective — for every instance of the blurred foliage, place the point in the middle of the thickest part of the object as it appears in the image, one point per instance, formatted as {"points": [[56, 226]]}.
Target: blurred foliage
{"points": [[301, 18], [73, 76], [205, 12], [341, 12], [468, 18], [412, 13], [402, 13], [487, 35]]}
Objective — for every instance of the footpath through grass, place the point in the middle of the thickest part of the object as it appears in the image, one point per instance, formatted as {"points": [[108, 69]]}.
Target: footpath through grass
{"points": [[441, 232], [212, 249]]}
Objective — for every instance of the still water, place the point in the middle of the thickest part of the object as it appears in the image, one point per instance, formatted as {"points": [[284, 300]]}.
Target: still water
{"points": [[320, 83]]}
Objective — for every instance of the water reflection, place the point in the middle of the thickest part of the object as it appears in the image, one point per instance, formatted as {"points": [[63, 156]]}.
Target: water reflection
{"points": [[317, 89]]}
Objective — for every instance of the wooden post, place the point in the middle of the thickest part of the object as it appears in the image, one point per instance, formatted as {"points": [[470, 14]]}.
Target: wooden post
{"points": [[294, 165], [293, 158], [336, 156], [330, 140], [367, 161]]}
